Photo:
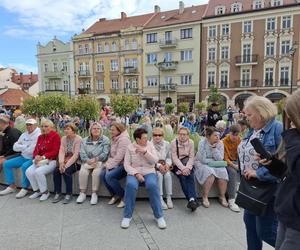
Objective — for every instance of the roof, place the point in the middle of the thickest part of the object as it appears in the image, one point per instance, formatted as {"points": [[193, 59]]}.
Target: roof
{"points": [[246, 6], [172, 17], [104, 26], [13, 97], [24, 80]]}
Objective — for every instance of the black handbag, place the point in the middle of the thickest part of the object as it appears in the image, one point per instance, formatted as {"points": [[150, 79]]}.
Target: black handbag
{"points": [[255, 195]]}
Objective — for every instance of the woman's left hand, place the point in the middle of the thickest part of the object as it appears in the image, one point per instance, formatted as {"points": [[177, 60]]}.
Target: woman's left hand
{"points": [[250, 173]]}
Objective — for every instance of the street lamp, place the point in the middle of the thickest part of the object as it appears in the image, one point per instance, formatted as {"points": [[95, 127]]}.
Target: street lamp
{"points": [[158, 67], [292, 54]]}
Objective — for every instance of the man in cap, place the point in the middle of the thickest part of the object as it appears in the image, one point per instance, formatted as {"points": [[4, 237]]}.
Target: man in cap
{"points": [[25, 145], [213, 115]]}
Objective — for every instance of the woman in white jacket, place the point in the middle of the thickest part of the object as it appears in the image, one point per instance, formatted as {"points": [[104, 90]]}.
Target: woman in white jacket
{"points": [[25, 145]]}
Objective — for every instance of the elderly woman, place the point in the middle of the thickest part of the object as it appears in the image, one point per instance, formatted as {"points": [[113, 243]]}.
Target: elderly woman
{"points": [[210, 154], [68, 162], [261, 113], [140, 160], [222, 128], [94, 150], [44, 155], [163, 166], [182, 153], [113, 170]]}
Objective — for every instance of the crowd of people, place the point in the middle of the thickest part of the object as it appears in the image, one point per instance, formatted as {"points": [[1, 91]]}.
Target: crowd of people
{"points": [[224, 154]]}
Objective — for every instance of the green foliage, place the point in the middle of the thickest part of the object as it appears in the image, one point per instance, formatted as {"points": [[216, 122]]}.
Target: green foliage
{"points": [[196, 139], [280, 105], [124, 104], [86, 107], [169, 108], [183, 107], [215, 96], [200, 106]]}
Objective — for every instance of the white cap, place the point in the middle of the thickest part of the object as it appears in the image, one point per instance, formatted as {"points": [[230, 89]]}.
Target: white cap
{"points": [[31, 121]]}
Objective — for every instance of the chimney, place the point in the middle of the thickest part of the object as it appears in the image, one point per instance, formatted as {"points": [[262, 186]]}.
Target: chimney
{"points": [[102, 19], [123, 15], [181, 7], [21, 78], [156, 9], [30, 78]]}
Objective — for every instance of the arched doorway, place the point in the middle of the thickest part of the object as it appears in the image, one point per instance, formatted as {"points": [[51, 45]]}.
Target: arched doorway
{"points": [[168, 100], [240, 100], [275, 97]]}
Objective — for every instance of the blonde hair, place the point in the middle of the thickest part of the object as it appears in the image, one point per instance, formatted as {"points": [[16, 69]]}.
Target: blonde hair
{"points": [[263, 106], [292, 108], [184, 128], [158, 129]]}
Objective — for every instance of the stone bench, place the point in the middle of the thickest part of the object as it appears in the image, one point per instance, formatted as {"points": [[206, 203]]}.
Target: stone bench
{"points": [[142, 193]]}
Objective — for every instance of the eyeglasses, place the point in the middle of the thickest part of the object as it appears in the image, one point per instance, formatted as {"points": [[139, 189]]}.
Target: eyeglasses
{"points": [[160, 135]]}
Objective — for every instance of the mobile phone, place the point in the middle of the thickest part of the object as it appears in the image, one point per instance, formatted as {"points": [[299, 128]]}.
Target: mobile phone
{"points": [[259, 148]]}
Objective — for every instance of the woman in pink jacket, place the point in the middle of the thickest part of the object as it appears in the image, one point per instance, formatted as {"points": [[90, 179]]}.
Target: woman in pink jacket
{"points": [[113, 170], [140, 160]]}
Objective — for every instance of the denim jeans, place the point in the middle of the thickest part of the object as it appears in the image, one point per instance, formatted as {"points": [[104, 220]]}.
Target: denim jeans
{"points": [[188, 185], [68, 178], [131, 188], [111, 179], [261, 228], [17, 162]]}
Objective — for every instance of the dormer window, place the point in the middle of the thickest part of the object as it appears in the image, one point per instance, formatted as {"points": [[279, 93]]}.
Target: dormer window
{"points": [[258, 4], [275, 3], [220, 10], [236, 7]]}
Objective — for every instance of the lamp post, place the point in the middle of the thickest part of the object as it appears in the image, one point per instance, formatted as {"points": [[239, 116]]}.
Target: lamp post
{"points": [[158, 67], [292, 52]]}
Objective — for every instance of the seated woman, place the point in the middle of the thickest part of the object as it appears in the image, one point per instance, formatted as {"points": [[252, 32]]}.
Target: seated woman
{"points": [[222, 128], [140, 160], [45, 155], [94, 150], [68, 162], [163, 166], [113, 170], [211, 149]]}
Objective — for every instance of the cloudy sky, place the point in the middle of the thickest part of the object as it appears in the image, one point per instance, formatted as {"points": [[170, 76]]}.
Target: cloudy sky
{"points": [[24, 23]]}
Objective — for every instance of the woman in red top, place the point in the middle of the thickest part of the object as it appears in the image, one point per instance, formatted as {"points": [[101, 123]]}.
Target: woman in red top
{"points": [[44, 154]]}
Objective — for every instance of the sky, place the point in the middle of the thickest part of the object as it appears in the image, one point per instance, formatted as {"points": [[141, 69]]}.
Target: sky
{"points": [[24, 23]]}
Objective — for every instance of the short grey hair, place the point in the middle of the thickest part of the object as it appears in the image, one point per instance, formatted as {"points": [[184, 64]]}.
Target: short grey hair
{"points": [[220, 124], [48, 121]]}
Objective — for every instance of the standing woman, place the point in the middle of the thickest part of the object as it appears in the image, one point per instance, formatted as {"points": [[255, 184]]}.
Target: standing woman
{"points": [[68, 162], [260, 113], [113, 170], [94, 150], [45, 156]]}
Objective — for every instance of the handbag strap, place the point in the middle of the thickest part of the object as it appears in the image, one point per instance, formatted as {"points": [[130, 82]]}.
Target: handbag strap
{"points": [[177, 148]]}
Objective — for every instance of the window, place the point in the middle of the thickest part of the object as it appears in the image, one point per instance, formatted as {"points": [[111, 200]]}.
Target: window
{"points": [[286, 22], [220, 10], [134, 44], [284, 76], [152, 38], [56, 85], [246, 52], [258, 4], [269, 76], [270, 49], [45, 67], [247, 27], [134, 83], [224, 52], [275, 3], [86, 49], [65, 66], [224, 79], [106, 48], [285, 47], [168, 36], [246, 76], [114, 65], [80, 49], [55, 69], [211, 54], [66, 86], [211, 78], [113, 46], [99, 47], [212, 31], [271, 24], [168, 79], [127, 62], [225, 29], [186, 80], [186, 55], [126, 44], [151, 58], [186, 33], [114, 84], [152, 81], [168, 57], [134, 63], [100, 85], [236, 7], [100, 66]]}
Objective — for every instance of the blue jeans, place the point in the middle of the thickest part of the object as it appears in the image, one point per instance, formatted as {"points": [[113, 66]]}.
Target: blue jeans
{"points": [[188, 185], [261, 228], [131, 188], [111, 179], [17, 162]]}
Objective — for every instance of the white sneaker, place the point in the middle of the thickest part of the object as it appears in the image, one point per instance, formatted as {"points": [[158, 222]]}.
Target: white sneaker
{"points": [[7, 190], [45, 197], [125, 223], [163, 204], [112, 201], [94, 199], [170, 202], [121, 204], [81, 198], [161, 223], [23, 192], [234, 207], [35, 195]]}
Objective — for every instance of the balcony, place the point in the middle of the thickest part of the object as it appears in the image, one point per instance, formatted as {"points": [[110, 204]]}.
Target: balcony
{"points": [[130, 70], [165, 66], [84, 91], [131, 90], [223, 84], [168, 87], [115, 91], [246, 60], [100, 91], [170, 43], [53, 74], [48, 90], [269, 82], [84, 73], [284, 82], [249, 83]]}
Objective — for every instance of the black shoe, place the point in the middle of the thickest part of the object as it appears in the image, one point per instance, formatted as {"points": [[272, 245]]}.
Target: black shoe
{"points": [[192, 205], [67, 199], [57, 198]]}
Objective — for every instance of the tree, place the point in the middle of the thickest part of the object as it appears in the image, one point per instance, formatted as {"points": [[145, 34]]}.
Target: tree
{"points": [[200, 106], [123, 105], [169, 108], [183, 107], [86, 107], [215, 96]]}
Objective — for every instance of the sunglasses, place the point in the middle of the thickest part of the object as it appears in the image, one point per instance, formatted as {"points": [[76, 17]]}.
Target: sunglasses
{"points": [[160, 135]]}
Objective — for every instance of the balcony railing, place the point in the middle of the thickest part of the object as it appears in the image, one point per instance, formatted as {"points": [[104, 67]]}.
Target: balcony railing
{"points": [[84, 73], [284, 82], [54, 90], [245, 83], [130, 70], [224, 84], [246, 59], [53, 74], [167, 43], [84, 91], [168, 87], [131, 90], [100, 91], [269, 82], [114, 91], [164, 66]]}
